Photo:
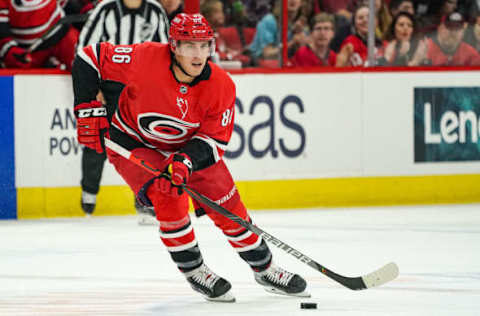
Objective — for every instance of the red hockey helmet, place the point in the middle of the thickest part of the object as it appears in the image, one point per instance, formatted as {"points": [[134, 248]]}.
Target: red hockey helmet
{"points": [[190, 27]]}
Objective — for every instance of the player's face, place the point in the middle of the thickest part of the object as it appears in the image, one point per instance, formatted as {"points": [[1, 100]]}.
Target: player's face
{"points": [[192, 55], [403, 29]]}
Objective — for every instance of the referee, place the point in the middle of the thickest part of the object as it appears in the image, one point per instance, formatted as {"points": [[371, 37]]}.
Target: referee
{"points": [[118, 22]]}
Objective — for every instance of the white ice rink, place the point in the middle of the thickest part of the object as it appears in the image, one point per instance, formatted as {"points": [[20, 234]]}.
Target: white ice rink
{"points": [[112, 266]]}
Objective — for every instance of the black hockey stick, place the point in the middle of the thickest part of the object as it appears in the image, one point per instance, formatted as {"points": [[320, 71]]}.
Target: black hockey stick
{"points": [[376, 278]]}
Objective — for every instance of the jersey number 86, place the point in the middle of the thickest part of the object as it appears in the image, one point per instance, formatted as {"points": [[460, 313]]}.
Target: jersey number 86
{"points": [[122, 56]]}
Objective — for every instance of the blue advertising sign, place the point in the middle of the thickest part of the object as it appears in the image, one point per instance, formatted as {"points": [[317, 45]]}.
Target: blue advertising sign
{"points": [[8, 200]]}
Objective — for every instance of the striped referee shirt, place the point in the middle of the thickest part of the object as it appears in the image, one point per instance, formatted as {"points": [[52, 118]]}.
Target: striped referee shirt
{"points": [[111, 21]]}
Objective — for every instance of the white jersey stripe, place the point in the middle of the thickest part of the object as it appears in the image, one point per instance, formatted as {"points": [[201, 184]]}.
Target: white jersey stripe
{"points": [[177, 234], [183, 247], [239, 238], [250, 247], [39, 29], [88, 60]]}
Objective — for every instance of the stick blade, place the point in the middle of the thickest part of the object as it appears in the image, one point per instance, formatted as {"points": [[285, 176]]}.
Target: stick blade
{"points": [[381, 276]]}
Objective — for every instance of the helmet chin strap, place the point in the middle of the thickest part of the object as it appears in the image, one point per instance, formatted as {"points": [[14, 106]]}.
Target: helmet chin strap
{"points": [[181, 68]]}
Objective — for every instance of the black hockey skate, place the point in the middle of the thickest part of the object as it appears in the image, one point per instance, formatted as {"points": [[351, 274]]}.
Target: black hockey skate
{"points": [[279, 281], [210, 285], [88, 202]]}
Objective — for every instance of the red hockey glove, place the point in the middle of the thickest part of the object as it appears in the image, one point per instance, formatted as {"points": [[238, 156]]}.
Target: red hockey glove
{"points": [[92, 125], [180, 170], [17, 57]]}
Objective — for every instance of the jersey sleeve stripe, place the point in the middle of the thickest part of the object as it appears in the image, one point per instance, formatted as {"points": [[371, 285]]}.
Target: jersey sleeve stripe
{"points": [[41, 28], [211, 143], [218, 143], [88, 59]]}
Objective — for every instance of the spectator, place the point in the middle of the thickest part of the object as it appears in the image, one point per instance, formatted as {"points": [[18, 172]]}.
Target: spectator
{"points": [[256, 10], [318, 53], [397, 6], [402, 48], [266, 40], [429, 23], [125, 22], [383, 18], [472, 33], [117, 22], [172, 7], [336, 7], [344, 29], [212, 10], [22, 23], [234, 11], [447, 48], [469, 9], [354, 51]]}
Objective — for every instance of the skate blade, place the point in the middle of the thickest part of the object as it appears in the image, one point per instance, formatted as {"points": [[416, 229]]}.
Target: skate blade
{"points": [[147, 220], [225, 298], [277, 291]]}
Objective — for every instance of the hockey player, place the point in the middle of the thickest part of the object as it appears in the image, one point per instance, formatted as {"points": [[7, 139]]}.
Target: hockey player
{"points": [[174, 109], [23, 22]]}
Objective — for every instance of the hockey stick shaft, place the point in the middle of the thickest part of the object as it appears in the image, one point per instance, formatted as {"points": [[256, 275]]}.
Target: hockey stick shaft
{"points": [[378, 277]]}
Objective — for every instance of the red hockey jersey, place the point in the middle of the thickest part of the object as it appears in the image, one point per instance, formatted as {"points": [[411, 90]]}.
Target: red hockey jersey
{"points": [[157, 110], [360, 50], [23, 21]]}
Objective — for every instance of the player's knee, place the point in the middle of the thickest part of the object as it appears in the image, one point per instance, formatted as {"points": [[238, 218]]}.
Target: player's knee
{"points": [[167, 208], [227, 226]]}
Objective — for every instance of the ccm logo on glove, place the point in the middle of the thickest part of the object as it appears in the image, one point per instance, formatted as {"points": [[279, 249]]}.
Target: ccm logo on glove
{"points": [[92, 125], [91, 112]]}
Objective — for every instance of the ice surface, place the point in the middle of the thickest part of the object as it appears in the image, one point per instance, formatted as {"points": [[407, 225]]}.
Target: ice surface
{"points": [[112, 266]]}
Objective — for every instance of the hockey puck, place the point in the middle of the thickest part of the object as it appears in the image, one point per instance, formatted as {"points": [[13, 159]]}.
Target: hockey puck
{"points": [[308, 305]]}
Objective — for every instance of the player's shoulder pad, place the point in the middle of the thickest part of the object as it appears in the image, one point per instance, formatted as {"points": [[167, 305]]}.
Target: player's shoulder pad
{"points": [[152, 51], [220, 77]]}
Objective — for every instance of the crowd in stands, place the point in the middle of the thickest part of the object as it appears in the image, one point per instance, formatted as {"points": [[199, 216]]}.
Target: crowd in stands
{"points": [[320, 32]]}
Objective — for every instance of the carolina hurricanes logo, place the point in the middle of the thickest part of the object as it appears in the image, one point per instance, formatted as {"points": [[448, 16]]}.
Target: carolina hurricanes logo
{"points": [[164, 128]]}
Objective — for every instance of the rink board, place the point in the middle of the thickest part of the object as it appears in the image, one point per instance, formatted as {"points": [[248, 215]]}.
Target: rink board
{"points": [[300, 140]]}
